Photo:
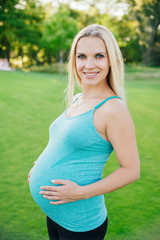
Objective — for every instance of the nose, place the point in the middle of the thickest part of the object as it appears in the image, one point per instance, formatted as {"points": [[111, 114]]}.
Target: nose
{"points": [[90, 63]]}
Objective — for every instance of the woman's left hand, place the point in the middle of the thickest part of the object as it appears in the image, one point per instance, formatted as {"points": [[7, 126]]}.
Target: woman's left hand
{"points": [[68, 192]]}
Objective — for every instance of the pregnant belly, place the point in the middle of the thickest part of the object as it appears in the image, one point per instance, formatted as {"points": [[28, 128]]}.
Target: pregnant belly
{"points": [[46, 170], [43, 173], [42, 176]]}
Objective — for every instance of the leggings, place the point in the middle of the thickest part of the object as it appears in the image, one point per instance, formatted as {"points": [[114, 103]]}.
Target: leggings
{"points": [[56, 232]]}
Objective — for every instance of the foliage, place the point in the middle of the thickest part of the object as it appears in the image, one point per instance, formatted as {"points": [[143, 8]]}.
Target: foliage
{"points": [[146, 13], [148, 26], [59, 32], [8, 14], [36, 34], [20, 29]]}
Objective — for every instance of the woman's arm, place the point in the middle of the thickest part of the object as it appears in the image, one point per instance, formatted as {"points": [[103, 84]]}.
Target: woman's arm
{"points": [[121, 133]]}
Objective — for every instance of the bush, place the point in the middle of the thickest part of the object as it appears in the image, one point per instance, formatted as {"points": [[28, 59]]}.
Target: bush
{"points": [[50, 68]]}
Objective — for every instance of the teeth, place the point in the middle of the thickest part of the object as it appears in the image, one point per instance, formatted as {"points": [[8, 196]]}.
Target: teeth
{"points": [[90, 74]]}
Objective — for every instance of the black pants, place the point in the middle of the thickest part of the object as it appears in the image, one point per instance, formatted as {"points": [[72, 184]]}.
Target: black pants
{"points": [[56, 232]]}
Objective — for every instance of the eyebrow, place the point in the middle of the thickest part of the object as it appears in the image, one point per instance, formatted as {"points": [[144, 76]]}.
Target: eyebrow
{"points": [[95, 53]]}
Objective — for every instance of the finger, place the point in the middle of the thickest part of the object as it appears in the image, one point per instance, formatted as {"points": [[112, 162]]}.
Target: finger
{"points": [[57, 202], [49, 193], [50, 188], [29, 173], [51, 197], [59, 181]]}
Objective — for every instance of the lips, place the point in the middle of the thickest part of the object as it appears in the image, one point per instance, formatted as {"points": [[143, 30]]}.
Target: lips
{"points": [[90, 74]]}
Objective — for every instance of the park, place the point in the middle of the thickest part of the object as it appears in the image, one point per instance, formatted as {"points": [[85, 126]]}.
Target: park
{"points": [[32, 96]]}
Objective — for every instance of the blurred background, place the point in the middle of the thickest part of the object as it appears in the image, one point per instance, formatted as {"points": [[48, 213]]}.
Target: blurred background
{"points": [[35, 38], [37, 34]]}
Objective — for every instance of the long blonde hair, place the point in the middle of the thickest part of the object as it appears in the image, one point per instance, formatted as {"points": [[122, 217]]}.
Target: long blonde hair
{"points": [[115, 76]]}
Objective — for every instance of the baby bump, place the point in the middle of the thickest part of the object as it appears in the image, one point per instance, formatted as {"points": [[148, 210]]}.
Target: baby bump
{"points": [[42, 174], [63, 213]]}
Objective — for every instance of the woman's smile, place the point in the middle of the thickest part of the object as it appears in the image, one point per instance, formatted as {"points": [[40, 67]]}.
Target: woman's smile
{"points": [[91, 74]]}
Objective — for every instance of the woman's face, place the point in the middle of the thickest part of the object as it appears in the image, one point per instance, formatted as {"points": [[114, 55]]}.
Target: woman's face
{"points": [[92, 63]]}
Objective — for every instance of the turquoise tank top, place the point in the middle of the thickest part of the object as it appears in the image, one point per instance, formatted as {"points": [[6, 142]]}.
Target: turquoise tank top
{"points": [[76, 152]]}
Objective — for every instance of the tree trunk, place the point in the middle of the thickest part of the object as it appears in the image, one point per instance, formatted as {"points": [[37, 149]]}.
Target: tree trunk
{"points": [[61, 61], [7, 51], [151, 43]]}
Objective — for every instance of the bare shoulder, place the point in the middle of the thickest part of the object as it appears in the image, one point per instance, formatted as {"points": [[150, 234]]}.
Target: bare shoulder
{"points": [[121, 134], [116, 112]]}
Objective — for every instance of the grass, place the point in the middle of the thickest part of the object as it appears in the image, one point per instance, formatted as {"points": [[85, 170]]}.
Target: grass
{"points": [[29, 102]]}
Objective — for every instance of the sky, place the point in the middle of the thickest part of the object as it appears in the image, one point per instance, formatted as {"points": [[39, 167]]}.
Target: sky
{"points": [[115, 9]]}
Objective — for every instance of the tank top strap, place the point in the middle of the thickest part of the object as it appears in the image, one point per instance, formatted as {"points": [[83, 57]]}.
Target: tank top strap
{"points": [[97, 106], [77, 97]]}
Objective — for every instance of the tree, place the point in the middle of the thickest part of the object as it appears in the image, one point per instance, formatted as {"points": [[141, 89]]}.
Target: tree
{"points": [[147, 15], [148, 27], [20, 28], [31, 32], [7, 13], [59, 32]]}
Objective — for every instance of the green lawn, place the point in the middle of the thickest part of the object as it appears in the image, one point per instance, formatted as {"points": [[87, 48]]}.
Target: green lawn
{"points": [[29, 102]]}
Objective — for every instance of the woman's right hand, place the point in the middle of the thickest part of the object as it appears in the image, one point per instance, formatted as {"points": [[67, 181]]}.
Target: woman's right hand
{"points": [[30, 172]]}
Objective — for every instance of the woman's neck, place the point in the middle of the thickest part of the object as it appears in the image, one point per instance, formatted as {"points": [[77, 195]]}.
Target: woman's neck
{"points": [[94, 91]]}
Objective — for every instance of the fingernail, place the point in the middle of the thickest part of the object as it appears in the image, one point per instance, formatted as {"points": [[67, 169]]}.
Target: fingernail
{"points": [[53, 181]]}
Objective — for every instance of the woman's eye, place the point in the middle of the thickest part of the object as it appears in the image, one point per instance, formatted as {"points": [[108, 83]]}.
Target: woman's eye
{"points": [[81, 56], [99, 56]]}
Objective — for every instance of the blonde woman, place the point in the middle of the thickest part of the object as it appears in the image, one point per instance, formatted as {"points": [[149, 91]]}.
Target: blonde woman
{"points": [[66, 181]]}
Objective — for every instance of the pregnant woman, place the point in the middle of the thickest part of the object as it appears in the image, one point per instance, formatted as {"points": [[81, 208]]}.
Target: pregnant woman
{"points": [[66, 180]]}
